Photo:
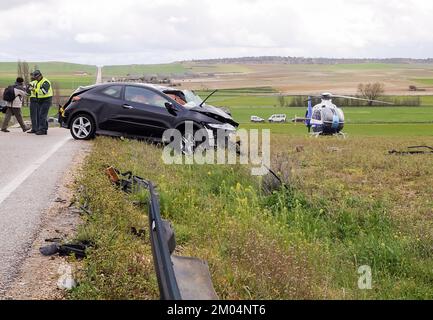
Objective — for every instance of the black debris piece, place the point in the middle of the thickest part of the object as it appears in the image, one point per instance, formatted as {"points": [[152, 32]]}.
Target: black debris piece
{"points": [[139, 233], [65, 250]]}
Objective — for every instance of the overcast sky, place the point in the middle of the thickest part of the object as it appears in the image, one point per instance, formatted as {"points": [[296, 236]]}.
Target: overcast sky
{"points": [[121, 32]]}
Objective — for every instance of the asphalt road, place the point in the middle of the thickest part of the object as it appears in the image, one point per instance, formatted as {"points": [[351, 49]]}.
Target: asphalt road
{"points": [[99, 75], [30, 169]]}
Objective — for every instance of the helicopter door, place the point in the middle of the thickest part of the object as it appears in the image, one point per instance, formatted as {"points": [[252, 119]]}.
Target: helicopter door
{"points": [[335, 120], [316, 121]]}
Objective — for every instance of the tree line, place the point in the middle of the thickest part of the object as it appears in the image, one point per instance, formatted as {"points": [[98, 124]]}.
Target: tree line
{"points": [[371, 91], [24, 70]]}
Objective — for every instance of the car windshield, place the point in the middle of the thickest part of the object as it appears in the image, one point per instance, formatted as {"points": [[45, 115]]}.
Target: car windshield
{"points": [[192, 100]]}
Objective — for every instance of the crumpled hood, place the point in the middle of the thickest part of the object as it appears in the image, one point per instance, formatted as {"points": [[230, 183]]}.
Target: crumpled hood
{"points": [[213, 110]]}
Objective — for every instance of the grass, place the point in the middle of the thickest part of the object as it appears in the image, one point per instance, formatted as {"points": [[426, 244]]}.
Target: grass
{"points": [[347, 206], [49, 67], [425, 81], [353, 130], [64, 74], [354, 115]]}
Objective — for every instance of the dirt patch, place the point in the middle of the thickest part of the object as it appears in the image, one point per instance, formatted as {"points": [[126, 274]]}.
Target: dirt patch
{"points": [[37, 279]]}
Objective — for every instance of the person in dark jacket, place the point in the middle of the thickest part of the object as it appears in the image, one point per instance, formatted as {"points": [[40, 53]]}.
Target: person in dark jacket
{"points": [[14, 107]]}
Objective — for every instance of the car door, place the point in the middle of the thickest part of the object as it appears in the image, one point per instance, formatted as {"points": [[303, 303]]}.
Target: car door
{"points": [[148, 114], [110, 106]]}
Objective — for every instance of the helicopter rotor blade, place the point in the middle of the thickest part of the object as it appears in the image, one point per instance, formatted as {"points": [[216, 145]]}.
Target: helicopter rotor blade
{"points": [[312, 97], [362, 99]]}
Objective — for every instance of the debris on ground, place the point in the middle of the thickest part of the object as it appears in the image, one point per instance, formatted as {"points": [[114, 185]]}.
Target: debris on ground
{"points": [[60, 200], [141, 233], [66, 280], [335, 149], [65, 250], [127, 182], [300, 149], [414, 150]]}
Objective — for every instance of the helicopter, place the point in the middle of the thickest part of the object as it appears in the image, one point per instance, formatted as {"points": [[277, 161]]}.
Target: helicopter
{"points": [[325, 118]]}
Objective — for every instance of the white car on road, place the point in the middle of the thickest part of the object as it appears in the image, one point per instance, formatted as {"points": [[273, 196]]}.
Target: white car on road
{"points": [[278, 118]]}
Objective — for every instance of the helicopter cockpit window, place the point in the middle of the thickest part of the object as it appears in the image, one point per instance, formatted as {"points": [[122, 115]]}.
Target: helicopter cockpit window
{"points": [[317, 115]]}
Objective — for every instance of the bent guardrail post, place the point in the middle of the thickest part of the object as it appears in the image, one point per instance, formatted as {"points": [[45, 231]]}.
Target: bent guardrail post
{"points": [[179, 278], [161, 255]]}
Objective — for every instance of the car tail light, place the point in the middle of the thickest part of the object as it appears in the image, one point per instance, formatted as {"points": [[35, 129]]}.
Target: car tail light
{"points": [[76, 98]]}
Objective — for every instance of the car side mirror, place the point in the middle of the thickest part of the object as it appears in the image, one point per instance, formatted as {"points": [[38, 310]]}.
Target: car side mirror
{"points": [[171, 108]]}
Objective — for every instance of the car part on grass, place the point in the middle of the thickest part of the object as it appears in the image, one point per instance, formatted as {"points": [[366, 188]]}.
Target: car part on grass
{"points": [[179, 278], [271, 172], [65, 250], [141, 233], [127, 182], [414, 150]]}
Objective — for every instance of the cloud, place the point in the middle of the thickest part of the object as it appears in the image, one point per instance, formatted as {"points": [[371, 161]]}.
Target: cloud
{"points": [[91, 38], [105, 32]]}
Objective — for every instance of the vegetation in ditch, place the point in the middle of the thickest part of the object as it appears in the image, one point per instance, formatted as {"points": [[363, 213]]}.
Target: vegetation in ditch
{"points": [[345, 206]]}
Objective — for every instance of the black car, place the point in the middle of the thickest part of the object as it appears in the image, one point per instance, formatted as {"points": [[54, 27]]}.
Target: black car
{"points": [[139, 111]]}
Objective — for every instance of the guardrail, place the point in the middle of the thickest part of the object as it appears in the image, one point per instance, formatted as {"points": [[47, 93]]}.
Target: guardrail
{"points": [[179, 278]]}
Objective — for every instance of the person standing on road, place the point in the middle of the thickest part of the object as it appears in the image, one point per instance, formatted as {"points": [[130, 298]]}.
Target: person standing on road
{"points": [[44, 96], [34, 107], [15, 96]]}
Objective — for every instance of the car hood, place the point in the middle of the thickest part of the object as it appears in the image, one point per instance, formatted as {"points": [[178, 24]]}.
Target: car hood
{"points": [[214, 112]]}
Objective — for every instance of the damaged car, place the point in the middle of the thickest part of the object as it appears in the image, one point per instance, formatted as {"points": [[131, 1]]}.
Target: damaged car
{"points": [[136, 110]]}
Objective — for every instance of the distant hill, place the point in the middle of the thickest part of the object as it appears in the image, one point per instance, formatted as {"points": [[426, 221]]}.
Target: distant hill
{"points": [[68, 76], [302, 60], [50, 67]]}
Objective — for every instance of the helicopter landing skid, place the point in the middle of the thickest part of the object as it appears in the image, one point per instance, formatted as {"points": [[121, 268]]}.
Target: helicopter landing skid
{"points": [[321, 134]]}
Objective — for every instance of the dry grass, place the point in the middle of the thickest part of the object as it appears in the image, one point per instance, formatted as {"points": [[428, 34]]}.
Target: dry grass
{"points": [[308, 79]]}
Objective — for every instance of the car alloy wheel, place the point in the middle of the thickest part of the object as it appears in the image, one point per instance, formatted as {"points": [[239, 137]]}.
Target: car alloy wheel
{"points": [[82, 127]]}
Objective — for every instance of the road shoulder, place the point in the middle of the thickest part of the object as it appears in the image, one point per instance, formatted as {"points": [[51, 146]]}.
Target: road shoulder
{"points": [[38, 275]]}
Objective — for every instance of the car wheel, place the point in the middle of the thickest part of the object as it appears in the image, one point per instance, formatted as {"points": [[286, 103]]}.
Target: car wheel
{"points": [[83, 127]]}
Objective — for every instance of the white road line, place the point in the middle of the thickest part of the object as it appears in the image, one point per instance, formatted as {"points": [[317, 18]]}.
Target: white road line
{"points": [[6, 191]]}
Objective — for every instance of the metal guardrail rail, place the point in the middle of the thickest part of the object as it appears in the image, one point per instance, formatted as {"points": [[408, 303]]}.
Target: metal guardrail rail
{"points": [[179, 278], [160, 237]]}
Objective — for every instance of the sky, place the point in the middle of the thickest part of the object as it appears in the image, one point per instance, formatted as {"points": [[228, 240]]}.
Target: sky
{"points": [[106, 32]]}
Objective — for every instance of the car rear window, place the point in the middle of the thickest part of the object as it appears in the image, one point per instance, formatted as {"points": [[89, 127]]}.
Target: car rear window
{"points": [[113, 91]]}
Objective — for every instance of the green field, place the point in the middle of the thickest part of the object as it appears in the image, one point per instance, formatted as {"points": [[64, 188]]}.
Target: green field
{"points": [[67, 75], [359, 115], [425, 81], [265, 97], [387, 121]]}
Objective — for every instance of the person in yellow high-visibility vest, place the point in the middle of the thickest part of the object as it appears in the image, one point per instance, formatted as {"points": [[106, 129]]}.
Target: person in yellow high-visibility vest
{"points": [[34, 107], [44, 96]]}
